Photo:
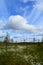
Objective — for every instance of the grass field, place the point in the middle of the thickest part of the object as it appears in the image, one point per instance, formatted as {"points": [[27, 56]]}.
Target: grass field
{"points": [[23, 53]]}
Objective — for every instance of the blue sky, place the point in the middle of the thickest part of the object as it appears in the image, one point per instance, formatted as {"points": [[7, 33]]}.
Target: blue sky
{"points": [[21, 18]]}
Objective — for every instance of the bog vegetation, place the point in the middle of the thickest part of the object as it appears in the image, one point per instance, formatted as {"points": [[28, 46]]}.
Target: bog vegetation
{"points": [[23, 53]]}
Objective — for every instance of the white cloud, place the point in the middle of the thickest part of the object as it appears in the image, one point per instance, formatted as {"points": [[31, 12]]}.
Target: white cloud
{"points": [[25, 1], [39, 5], [40, 33], [2, 34], [20, 23], [24, 8], [18, 36], [1, 23]]}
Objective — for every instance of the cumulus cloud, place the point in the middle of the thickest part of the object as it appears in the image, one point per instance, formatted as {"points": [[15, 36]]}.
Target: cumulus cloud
{"points": [[19, 23]]}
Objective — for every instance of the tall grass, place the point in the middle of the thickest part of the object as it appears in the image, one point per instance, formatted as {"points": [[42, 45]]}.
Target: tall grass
{"points": [[21, 53]]}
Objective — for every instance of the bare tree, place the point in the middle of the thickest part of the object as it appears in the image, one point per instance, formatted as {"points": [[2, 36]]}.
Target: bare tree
{"points": [[12, 40], [34, 39], [6, 41], [42, 39]]}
